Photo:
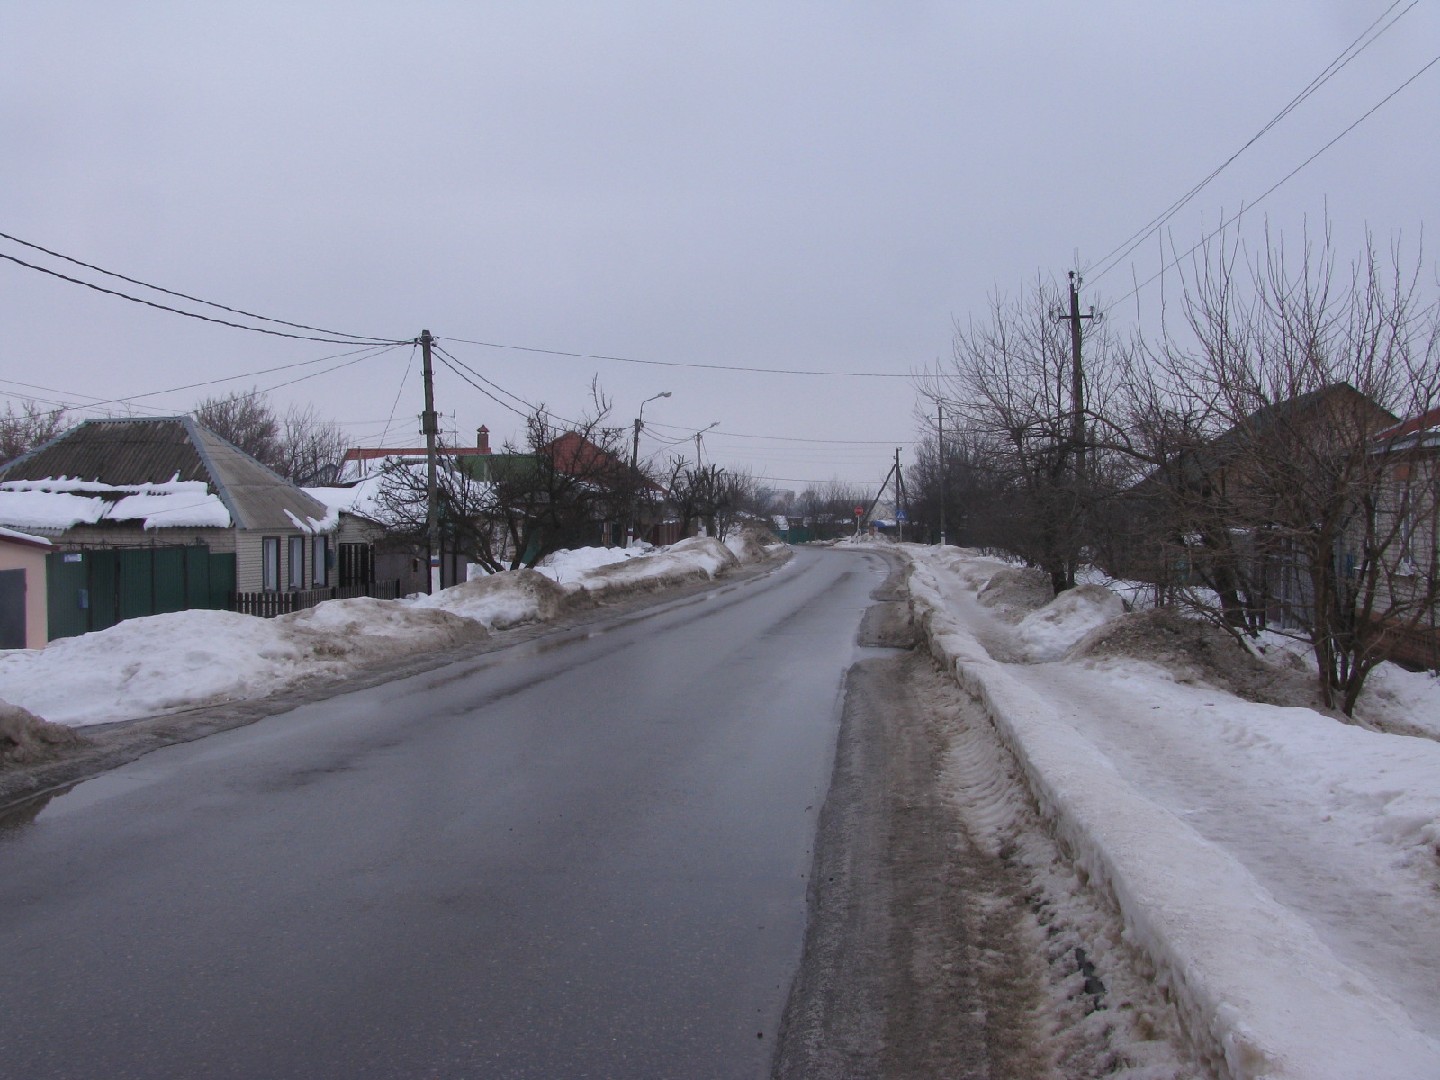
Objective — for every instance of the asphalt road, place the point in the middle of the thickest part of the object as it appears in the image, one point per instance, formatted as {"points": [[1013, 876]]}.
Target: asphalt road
{"points": [[584, 856]]}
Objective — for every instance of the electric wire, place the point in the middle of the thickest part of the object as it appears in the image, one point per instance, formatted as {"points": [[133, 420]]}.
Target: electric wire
{"points": [[409, 366], [1117, 254], [351, 340], [530, 407], [464, 377], [693, 364], [187, 296], [1273, 187], [798, 438]]}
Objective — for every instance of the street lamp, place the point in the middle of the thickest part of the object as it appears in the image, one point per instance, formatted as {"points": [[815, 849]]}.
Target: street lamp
{"points": [[697, 440], [635, 467]]}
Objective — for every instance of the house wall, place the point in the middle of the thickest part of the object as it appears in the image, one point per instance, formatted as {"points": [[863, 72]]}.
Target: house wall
{"points": [[250, 559], [31, 560]]}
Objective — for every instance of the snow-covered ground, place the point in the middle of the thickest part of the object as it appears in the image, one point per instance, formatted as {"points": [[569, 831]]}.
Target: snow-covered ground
{"points": [[143, 667], [1278, 869]]}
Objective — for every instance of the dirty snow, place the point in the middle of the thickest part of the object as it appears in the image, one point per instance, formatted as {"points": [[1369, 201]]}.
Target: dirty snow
{"points": [[162, 663], [1277, 868]]}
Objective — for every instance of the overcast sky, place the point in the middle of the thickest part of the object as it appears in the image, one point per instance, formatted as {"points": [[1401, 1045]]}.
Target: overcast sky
{"points": [[821, 187]]}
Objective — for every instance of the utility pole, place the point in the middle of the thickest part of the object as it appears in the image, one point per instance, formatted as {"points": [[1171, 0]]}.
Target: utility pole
{"points": [[900, 512], [940, 449], [635, 469], [1077, 382], [429, 425]]}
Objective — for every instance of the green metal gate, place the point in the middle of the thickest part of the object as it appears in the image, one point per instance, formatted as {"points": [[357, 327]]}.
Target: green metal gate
{"points": [[96, 588]]}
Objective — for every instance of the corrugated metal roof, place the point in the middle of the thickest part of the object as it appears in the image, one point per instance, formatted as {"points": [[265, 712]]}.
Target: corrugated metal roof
{"points": [[161, 449]]}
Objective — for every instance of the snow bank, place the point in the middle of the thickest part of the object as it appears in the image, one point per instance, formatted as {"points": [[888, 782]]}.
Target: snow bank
{"points": [[568, 565], [24, 737], [1260, 984], [162, 663], [699, 558], [1053, 630], [502, 601]]}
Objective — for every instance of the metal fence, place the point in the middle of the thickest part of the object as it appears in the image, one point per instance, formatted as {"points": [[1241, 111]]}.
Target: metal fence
{"points": [[95, 588], [269, 604]]}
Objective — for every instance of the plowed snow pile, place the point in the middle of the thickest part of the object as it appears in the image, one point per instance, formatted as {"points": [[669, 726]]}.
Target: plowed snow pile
{"points": [[501, 601], [1048, 633], [24, 737], [1011, 590], [1278, 869], [162, 663], [696, 559]]}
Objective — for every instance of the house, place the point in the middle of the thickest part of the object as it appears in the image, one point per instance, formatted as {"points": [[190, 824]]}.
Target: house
{"points": [[22, 590], [1228, 511], [1407, 509], [363, 462], [161, 514], [366, 552]]}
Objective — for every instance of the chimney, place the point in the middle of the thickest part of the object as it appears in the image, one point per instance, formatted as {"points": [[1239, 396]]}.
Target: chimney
{"points": [[482, 439]]}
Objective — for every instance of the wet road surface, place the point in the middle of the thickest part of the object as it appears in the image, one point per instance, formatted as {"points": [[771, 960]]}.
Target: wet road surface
{"points": [[583, 857]]}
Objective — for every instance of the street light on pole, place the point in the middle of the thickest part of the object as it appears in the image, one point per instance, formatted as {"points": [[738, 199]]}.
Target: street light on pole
{"points": [[635, 466], [697, 440]]}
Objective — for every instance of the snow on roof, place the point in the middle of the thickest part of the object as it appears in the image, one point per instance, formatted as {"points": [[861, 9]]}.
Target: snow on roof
{"points": [[24, 538], [59, 503], [359, 498]]}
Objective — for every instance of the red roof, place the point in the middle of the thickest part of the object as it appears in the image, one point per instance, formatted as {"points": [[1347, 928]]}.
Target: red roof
{"points": [[1423, 422], [370, 453]]}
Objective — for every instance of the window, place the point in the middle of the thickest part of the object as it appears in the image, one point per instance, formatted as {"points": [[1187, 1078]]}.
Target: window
{"points": [[295, 579], [270, 563], [319, 560]]}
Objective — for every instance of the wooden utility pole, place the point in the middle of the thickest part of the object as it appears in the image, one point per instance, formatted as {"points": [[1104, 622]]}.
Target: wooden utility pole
{"points": [[429, 425]]}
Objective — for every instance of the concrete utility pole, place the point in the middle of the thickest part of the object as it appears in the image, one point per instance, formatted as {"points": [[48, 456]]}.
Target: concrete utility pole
{"points": [[430, 426], [1077, 381], [940, 449], [635, 468], [900, 512]]}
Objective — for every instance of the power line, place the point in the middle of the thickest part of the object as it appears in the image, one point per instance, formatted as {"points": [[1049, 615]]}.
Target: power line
{"points": [[184, 296], [692, 364], [796, 438], [1114, 257], [350, 340], [1275, 186], [409, 366], [454, 368], [530, 407], [131, 400]]}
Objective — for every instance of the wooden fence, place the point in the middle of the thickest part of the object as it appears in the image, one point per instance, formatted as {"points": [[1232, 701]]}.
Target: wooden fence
{"points": [[269, 604]]}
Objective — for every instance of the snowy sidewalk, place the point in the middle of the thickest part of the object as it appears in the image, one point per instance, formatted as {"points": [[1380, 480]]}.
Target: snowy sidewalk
{"points": [[1277, 867]]}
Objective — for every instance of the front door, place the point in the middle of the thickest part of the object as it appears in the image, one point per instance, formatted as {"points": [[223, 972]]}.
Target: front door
{"points": [[12, 609]]}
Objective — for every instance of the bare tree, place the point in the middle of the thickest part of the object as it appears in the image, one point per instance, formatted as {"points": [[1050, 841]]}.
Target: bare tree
{"points": [[1009, 386], [563, 487], [709, 494], [1288, 502], [245, 419], [301, 446], [310, 447], [21, 432]]}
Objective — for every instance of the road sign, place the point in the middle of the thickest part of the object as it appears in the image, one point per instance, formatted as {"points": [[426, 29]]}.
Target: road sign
{"points": [[901, 516], [859, 511]]}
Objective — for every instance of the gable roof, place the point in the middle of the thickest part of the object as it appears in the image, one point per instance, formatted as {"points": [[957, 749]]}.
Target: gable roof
{"points": [[152, 457]]}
